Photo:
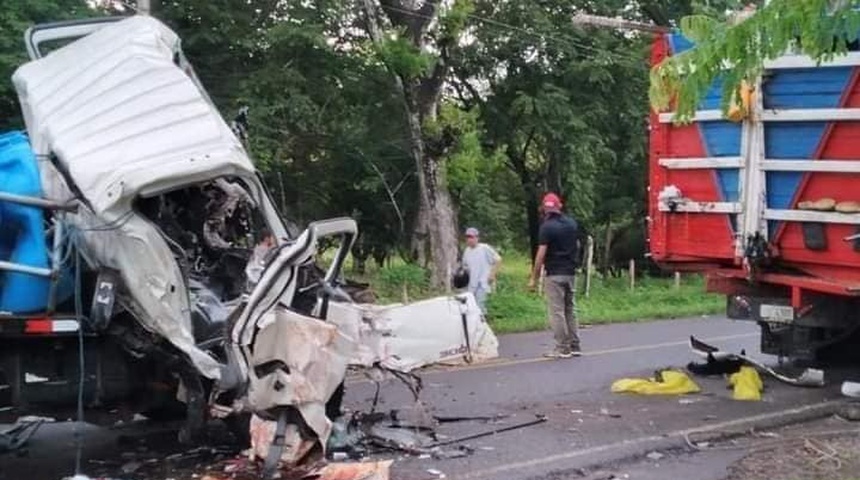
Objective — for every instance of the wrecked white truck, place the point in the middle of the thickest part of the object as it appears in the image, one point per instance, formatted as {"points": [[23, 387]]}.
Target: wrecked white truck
{"points": [[142, 262]]}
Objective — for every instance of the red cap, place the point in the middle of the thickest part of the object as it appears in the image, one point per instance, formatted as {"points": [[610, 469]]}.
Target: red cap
{"points": [[551, 202]]}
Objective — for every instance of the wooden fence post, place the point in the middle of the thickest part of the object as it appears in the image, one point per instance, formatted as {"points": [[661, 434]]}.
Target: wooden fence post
{"points": [[632, 274], [589, 264], [541, 280], [448, 279], [677, 280]]}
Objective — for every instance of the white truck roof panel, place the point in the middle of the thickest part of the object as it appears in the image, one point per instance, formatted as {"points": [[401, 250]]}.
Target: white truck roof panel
{"points": [[123, 117]]}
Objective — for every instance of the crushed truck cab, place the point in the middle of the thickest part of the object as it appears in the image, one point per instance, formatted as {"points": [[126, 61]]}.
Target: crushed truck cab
{"points": [[149, 265], [765, 200]]}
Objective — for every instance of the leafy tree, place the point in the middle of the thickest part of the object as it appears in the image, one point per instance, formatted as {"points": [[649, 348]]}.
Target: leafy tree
{"points": [[14, 21], [327, 129], [387, 110], [416, 49], [563, 104], [736, 50]]}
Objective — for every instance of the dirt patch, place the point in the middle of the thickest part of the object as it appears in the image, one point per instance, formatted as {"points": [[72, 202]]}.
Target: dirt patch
{"points": [[813, 458]]}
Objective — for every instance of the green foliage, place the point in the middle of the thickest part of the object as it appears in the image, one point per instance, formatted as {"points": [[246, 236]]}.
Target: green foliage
{"points": [[532, 103], [391, 282], [455, 19], [568, 112], [403, 58], [15, 18], [734, 53], [513, 308]]}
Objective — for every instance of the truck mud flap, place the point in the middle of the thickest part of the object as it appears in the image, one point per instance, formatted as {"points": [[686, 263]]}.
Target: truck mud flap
{"points": [[810, 377]]}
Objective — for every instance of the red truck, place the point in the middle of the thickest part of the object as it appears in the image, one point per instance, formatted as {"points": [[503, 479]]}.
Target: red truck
{"points": [[767, 206]]}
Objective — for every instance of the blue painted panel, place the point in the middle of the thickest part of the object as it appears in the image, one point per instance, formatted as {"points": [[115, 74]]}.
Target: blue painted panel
{"points": [[806, 88], [721, 139], [792, 88], [798, 88], [728, 179], [679, 43], [789, 141]]}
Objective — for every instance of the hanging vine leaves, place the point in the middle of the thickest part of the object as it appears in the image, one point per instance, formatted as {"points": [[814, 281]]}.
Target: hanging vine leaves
{"points": [[821, 29]]}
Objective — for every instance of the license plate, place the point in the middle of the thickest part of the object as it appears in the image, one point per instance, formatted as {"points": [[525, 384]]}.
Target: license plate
{"points": [[777, 313]]}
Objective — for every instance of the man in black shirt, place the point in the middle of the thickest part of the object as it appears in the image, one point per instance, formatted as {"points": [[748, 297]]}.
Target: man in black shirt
{"points": [[558, 252]]}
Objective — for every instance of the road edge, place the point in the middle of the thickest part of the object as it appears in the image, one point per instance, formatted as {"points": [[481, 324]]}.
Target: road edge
{"points": [[599, 456]]}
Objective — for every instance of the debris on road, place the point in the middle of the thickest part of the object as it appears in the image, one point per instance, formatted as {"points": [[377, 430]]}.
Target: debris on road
{"points": [[19, 434], [665, 382], [850, 411], [747, 384], [493, 418], [810, 377], [851, 389], [356, 471], [712, 366], [403, 338], [537, 421], [655, 456], [606, 413], [368, 433], [437, 473]]}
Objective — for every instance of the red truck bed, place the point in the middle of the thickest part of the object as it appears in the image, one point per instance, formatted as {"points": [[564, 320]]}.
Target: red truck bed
{"points": [[768, 206], [721, 182]]}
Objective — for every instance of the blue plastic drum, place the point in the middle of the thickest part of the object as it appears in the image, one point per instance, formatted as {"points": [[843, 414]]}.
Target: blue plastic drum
{"points": [[22, 232]]}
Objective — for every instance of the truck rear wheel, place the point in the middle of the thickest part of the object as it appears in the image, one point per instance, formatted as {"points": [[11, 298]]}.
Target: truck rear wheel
{"points": [[810, 344]]}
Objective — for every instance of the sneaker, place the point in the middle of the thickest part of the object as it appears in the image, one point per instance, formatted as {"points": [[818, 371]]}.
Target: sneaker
{"points": [[576, 352], [557, 354]]}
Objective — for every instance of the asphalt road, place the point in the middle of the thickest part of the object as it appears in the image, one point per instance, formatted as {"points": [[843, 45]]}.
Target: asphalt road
{"points": [[586, 423], [575, 396]]}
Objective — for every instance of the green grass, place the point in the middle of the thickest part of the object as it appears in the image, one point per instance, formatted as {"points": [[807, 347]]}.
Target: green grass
{"points": [[513, 308]]}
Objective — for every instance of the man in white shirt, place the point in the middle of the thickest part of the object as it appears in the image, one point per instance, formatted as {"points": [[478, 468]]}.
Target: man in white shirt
{"points": [[483, 263]]}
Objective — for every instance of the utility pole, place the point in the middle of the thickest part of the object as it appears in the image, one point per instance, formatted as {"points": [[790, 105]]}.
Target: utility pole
{"points": [[617, 23], [144, 7]]}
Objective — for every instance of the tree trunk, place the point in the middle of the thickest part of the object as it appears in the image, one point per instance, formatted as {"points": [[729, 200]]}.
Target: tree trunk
{"points": [[607, 246], [421, 99], [533, 217], [360, 254], [517, 158], [419, 251], [437, 212]]}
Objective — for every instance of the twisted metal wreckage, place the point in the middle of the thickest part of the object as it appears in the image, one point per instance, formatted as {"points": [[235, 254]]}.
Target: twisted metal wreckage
{"points": [[169, 211]]}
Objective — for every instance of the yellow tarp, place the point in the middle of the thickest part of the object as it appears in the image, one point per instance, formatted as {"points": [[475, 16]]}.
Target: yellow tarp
{"points": [[747, 384], [671, 382]]}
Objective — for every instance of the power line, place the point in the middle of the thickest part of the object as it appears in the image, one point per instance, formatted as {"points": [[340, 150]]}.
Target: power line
{"points": [[617, 23], [561, 39]]}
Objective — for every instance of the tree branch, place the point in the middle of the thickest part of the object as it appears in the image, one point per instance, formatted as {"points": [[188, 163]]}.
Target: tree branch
{"points": [[391, 194], [431, 87], [401, 183], [528, 144], [473, 92], [415, 20], [657, 14], [468, 103], [397, 12]]}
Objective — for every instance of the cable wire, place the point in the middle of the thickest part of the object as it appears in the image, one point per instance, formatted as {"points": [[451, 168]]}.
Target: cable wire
{"points": [[78, 434], [564, 40]]}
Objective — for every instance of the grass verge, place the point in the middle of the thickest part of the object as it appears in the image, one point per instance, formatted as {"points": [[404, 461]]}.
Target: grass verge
{"points": [[513, 308]]}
